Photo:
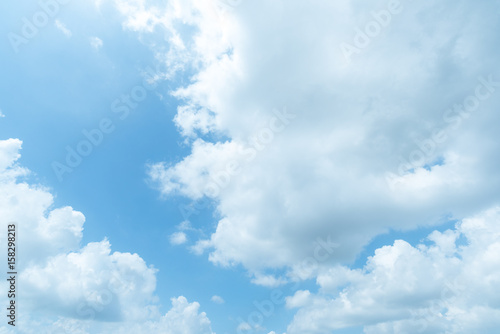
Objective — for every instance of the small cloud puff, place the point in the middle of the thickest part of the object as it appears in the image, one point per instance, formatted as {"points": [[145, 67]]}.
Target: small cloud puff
{"points": [[96, 42], [217, 299], [178, 238]]}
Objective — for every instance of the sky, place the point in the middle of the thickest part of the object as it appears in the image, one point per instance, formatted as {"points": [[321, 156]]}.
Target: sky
{"points": [[235, 166]]}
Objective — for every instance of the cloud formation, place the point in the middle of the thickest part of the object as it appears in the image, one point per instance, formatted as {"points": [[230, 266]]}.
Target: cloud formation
{"points": [[178, 238], [62, 27], [96, 42], [395, 133], [69, 288], [217, 299], [392, 139], [447, 285]]}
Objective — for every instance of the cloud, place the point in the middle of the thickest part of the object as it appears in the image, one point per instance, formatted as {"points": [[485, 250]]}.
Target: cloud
{"points": [[69, 288], [299, 299], [217, 299], [1, 114], [96, 42], [92, 283], [183, 317], [9, 153], [268, 280], [62, 27], [244, 327], [185, 226], [447, 285], [138, 17], [178, 238], [349, 124], [399, 136], [189, 120]]}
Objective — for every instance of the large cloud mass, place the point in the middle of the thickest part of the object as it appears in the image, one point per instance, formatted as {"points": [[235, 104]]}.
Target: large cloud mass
{"points": [[306, 120], [318, 141]]}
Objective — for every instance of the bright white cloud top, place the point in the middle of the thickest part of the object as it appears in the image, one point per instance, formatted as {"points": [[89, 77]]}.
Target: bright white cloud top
{"points": [[313, 127]]}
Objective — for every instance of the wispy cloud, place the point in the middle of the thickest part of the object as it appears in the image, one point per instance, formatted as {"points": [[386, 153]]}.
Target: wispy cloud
{"points": [[96, 42], [178, 238], [62, 27]]}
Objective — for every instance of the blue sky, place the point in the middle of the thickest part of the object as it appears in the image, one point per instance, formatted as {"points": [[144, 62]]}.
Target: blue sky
{"points": [[329, 146]]}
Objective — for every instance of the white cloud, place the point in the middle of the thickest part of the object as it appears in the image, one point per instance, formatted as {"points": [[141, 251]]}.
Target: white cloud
{"points": [[138, 18], [448, 286], [178, 238], [64, 285], [268, 280], [113, 286], [183, 317], [200, 247], [353, 123], [62, 27], [325, 172], [243, 327], [96, 42], [217, 299], [9, 152], [185, 226], [190, 119], [299, 299], [1, 114]]}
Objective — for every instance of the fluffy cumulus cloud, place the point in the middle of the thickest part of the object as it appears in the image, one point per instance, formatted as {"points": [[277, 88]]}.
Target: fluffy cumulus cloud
{"points": [[335, 118], [446, 286], [342, 119], [183, 317], [70, 288]]}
